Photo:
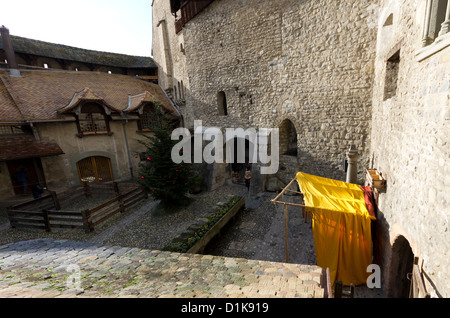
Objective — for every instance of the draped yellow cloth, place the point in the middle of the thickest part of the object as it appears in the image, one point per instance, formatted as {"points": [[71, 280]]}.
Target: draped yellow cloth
{"points": [[341, 227]]}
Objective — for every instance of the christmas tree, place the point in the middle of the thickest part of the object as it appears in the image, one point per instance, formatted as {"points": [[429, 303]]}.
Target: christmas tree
{"points": [[162, 178]]}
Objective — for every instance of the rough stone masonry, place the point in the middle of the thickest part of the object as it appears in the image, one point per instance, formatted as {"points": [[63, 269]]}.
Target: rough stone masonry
{"points": [[309, 62]]}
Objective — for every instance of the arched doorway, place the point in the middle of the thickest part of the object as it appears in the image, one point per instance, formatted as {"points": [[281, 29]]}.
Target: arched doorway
{"points": [[239, 166], [95, 169], [401, 265], [288, 138]]}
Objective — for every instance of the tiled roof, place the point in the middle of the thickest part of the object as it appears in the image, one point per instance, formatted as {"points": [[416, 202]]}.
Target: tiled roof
{"points": [[59, 51], [136, 101], [85, 95], [38, 95], [8, 108], [22, 147]]}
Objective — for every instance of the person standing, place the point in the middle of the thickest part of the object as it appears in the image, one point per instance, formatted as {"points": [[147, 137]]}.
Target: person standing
{"points": [[21, 178], [248, 176]]}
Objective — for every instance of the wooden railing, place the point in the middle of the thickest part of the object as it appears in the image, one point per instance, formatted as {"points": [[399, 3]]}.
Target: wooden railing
{"points": [[53, 210]]}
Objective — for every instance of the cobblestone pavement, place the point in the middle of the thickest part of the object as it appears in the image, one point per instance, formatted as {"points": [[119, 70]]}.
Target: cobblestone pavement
{"points": [[48, 268], [260, 234]]}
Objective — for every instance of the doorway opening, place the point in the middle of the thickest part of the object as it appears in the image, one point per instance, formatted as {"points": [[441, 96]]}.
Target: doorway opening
{"points": [[239, 166], [288, 138], [24, 173], [401, 265]]}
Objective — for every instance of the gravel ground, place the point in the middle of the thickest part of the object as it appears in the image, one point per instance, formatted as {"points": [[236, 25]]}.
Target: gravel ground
{"points": [[261, 234], [151, 230], [156, 231]]}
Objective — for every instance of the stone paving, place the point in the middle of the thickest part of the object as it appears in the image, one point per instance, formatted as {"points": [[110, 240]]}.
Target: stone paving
{"points": [[48, 268]]}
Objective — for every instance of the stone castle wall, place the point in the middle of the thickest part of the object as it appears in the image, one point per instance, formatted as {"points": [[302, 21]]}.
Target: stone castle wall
{"points": [[333, 69], [307, 61], [169, 54], [410, 140]]}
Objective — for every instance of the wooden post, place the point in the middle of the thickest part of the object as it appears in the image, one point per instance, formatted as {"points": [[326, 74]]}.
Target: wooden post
{"points": [[46, 220], [352, 291], [338, 289], [121, 205], [286, 225], [87, 189], [86, 223], [116, 188], [329, 292], [55, 200]]}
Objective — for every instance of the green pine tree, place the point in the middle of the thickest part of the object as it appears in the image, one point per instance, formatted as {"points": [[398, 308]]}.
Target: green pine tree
{"points": [[162, 178]]}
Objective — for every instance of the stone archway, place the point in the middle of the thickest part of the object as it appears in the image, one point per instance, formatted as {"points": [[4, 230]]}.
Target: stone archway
{"points": [[238, 167], [402, 260], [288, 138]]}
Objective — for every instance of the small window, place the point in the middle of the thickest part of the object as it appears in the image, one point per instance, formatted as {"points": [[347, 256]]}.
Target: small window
{"points": [[145, 119], [92, 120], [13, 130], [45, 65], [222, 103], [389, 20], [391, 79]]}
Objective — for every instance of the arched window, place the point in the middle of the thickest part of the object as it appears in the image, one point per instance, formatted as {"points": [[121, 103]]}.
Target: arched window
{"points": [[92, 120], [222, 103]]}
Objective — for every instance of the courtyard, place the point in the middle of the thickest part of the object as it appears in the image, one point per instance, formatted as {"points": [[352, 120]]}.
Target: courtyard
{"points": [[253, 235]]}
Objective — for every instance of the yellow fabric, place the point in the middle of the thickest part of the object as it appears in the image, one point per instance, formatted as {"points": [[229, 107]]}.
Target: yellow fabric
{"points": [[341, 227]]}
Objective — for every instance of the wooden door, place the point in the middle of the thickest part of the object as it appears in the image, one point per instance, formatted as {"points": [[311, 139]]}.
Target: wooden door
{"points": [[95, 169]]}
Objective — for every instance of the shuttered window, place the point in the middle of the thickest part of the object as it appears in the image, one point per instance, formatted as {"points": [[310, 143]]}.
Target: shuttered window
{"points": [[92, 120], [145, 119], [95, 169]]}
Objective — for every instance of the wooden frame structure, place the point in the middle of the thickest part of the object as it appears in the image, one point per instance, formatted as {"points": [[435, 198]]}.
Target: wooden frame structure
{"points": [[326, 283], [306, 215]]}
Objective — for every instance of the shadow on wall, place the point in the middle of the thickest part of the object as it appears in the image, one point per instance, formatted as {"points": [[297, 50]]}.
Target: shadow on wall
{"points": [[396, 260]]}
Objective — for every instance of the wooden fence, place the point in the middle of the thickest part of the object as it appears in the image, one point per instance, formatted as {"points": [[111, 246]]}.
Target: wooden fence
{"points": [[53, 210]]}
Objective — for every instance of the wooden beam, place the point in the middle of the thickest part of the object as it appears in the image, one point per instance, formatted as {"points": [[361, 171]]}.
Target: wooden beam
{"points": [[286, 229], [289, 203], [283, 190]]}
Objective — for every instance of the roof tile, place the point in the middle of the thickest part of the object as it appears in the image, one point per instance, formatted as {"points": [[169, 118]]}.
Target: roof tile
{"points": [[38, 95]]}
